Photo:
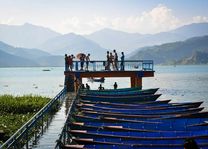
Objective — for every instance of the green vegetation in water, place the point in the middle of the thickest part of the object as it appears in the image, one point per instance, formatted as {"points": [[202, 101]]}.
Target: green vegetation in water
{"points": [[16, 111]]}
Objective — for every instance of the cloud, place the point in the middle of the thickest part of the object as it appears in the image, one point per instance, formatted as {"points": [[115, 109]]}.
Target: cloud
{"points": [[156, 20], [199, 19], [9, 21]]}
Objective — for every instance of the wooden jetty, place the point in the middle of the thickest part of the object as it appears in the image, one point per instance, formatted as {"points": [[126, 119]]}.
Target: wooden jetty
{"points": [[134, 69]]}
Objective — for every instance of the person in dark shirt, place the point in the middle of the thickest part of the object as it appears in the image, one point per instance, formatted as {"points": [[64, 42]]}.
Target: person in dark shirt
{"points": [[87, 61], [107, 67], [115, 85], [100, 87], [82, 59], [82, 86], [115, 60], [122, 61], [66, 63], [87, 87]]}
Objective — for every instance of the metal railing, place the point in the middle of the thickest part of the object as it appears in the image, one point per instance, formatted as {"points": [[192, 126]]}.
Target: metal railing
{"points": [[22, 136], [129, 65], [64, 133]]}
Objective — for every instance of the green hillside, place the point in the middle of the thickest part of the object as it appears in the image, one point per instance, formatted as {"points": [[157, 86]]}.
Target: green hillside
{"points": [[172, 52]]}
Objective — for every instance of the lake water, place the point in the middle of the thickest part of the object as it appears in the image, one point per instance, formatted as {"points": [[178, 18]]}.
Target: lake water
{"points": [[180, 83]]}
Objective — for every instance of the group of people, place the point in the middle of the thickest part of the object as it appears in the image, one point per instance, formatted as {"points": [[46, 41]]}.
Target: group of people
{"points": [[115, 86], [112, 60], [69, 62], [83, 58], [85, 86], [110, 64]]}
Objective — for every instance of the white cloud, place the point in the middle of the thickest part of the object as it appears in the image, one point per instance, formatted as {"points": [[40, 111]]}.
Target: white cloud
{"points": [[9, 21], [199, 19], [156, 20]]}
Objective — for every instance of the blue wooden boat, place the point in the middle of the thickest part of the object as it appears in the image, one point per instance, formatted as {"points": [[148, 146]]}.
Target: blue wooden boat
{"points": [[140, 116], [123, 146], [90, 116], [102, 80], [154, 104], [133, 144], [134, 119], [123, 104], [149, 137], [124, 99], [127, 93], [168, 126], [140, 109]]}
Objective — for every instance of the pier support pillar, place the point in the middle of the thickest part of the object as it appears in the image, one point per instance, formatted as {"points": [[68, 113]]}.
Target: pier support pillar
{"points": [[133, 82], [136, 82], [77, 83], [69, 83]]}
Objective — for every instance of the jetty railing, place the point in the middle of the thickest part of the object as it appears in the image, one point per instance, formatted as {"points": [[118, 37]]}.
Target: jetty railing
{"points": [[129, 65], [34, 126], [63, 138]]}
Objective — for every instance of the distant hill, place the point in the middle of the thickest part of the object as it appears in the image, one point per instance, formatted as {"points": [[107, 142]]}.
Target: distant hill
{"points": [[171, 52], [127, 42], [9, 60], [11, 57], [196, 59], [27, 35], [73, 44], [192, 30], [32, 36], [23, 52]]}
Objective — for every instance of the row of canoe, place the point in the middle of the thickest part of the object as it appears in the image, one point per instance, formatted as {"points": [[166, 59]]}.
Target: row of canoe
{"points": [[134, 118]]}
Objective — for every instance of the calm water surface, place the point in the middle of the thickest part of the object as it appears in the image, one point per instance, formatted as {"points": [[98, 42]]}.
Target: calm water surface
{"points": [[180, 83]]}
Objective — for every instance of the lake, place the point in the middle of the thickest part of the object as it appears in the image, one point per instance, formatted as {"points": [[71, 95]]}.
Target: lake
{"points": [[180, 83]]}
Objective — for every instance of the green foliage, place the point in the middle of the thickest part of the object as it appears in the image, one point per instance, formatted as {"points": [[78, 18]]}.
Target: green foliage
{"points": [[17, 110], [170, 52], [10, 123], [21, 105]]}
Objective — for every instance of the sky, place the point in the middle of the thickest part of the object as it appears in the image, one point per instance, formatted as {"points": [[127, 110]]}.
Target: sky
{"points": [[88, 16]]}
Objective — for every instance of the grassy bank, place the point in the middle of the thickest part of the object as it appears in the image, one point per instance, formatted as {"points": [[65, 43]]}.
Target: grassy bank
{"points": [[17, 110]]}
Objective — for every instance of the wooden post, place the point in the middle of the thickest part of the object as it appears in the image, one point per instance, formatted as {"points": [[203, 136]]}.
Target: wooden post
{"points": [[77, 83], [69, 82], [133, 81]]}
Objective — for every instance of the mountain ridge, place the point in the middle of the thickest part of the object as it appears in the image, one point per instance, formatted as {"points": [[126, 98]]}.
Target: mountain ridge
{"points": [[130, 41], [171, 52]]}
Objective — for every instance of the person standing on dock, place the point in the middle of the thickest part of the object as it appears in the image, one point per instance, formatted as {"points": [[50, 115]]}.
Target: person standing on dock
{"points": [[100, 87], [122, 61], [87, 61], [111, 59], [115, 85], [87, 87], [66, 63], [107, 66], [115, 59], [70, 62], [82, 59]]}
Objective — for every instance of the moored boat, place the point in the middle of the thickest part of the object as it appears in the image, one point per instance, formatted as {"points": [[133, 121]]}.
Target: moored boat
{"points": [[127, 93], [128, 99]]}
